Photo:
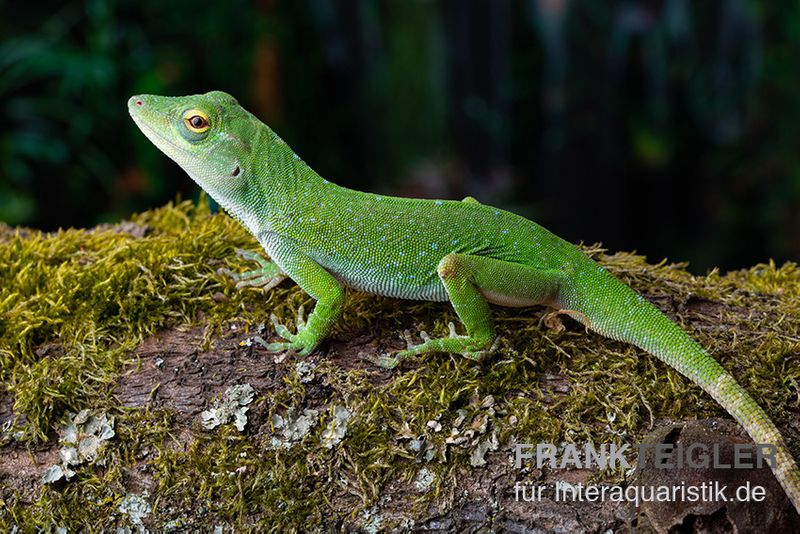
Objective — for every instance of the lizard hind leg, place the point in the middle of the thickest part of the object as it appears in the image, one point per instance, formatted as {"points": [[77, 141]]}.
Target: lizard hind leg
{"points": [[471, 283]]}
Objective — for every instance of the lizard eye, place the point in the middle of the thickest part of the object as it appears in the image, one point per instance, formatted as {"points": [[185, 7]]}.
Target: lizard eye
{"points": [[196, 121]]}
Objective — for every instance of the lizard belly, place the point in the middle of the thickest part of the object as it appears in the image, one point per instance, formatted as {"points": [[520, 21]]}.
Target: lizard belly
{"points": [[396, 285], [511, 301]]}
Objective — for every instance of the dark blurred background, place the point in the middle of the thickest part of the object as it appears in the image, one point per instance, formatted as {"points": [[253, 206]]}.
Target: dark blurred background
{"points": [[670, 127]]}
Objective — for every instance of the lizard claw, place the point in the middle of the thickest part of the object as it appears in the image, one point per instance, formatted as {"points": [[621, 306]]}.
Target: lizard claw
{"points": [[553, 321], [452, 328], [253, 256], [273, 347], [266, 276], [280, 329], [478, 355], [384, 361], [294, 342], [407, 337]]}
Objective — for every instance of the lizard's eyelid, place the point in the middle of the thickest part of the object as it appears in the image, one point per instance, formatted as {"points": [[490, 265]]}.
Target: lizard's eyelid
{"points": [[196, 121]]}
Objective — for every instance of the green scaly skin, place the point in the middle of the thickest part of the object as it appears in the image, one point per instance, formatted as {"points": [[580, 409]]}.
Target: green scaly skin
{"points": [[326, 237]]}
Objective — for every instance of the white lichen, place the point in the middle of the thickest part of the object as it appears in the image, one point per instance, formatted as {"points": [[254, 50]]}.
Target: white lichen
{"points": [[305, 370], [371, 520], [337, 428], [231, 407], [292, 427], [135, 507], [83, 438], [477, 456], [424, 480]]}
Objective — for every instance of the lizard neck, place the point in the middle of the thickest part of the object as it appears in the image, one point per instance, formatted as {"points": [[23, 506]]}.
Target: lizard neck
{"points": [[282, 189]]}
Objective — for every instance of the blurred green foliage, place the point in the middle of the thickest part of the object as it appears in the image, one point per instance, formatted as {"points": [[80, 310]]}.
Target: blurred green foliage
{"points": [[669, 127], [68, 154]]}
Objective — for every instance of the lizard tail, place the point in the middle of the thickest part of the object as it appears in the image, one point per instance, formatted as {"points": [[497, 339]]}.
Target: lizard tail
{"points": [[624, 315]]}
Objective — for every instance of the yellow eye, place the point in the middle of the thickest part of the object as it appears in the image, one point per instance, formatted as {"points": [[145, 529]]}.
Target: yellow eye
{"points": [[196, 121]]}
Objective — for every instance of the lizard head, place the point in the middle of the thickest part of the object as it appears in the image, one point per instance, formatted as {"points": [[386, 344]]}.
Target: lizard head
{"points": [[210, 136]]}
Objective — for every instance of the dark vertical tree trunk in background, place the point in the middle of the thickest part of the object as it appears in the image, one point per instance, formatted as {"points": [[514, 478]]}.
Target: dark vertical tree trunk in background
{"points": [[479, 59], [350, 36]]}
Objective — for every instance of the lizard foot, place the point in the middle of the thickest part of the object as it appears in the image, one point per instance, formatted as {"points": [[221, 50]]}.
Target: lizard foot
{"points": [[299, 342], [467, 346], [267, 276], [553, 321]]}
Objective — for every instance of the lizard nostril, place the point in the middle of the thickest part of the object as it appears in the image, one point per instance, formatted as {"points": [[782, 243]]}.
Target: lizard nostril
{"points": [[139, 103]]}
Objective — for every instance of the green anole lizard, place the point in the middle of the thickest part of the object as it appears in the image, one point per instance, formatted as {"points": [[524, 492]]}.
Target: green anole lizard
{"points": [[326, 237]]}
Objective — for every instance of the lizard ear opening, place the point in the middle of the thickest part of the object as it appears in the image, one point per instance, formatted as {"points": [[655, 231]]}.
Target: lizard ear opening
{"points": [[236, 171]]}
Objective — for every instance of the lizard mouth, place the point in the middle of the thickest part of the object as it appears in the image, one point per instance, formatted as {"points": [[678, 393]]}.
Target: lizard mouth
{"points": [[152, 123]]}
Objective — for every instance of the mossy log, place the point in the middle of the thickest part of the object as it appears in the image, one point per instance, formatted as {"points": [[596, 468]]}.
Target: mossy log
{"points": [[133, 322]]}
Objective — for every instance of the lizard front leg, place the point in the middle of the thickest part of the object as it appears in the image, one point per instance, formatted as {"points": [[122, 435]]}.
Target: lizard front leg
{"points": [[470, 281], [320, 286]]}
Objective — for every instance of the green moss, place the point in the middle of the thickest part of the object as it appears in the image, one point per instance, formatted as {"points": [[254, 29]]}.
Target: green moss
{"points": [[73, 304]]}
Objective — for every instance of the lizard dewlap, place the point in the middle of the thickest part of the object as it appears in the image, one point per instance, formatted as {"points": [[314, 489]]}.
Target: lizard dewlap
{"points": [[326, 237]]}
